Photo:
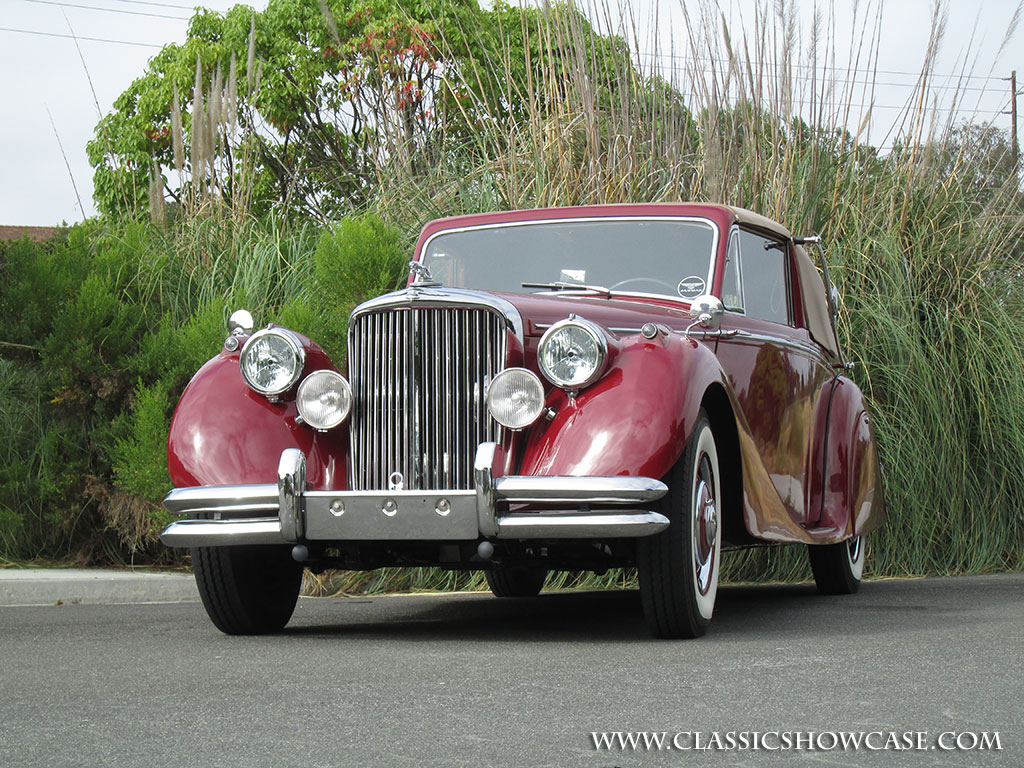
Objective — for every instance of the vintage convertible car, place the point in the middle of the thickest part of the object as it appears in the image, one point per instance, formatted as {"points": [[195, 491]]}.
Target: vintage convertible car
{"points": [[575, 388]]}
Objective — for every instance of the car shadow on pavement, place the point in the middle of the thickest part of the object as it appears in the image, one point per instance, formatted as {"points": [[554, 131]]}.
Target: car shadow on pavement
{"points": [[741, 612]]}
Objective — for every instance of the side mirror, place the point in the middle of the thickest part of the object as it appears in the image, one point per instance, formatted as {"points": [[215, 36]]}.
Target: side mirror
{"points": [[707, 312]]}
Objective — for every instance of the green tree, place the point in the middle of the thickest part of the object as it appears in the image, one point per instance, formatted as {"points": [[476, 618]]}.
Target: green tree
{"points": [[305, 106], [312, 97], [981, 156]]}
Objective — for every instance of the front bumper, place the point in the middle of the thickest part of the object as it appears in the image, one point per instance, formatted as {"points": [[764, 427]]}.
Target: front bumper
{"points": [[288, 513]]}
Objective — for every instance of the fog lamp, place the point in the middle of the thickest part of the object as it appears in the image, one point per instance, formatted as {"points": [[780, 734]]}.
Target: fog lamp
{"points": [[324, 399], [515, 398]]}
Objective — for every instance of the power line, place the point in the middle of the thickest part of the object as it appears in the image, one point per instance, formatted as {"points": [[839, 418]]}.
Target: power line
{"points": [[875, 84], [107, 10], [822, 67], [159, 5], [79, 37]]}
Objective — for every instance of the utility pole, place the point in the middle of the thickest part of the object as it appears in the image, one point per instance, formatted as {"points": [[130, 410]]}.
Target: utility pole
{"points": [[1013, 123]]}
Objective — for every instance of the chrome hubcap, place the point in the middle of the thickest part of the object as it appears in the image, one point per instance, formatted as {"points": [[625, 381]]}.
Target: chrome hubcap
{"points": [[710, 524], [705, 526], [854, 547]]}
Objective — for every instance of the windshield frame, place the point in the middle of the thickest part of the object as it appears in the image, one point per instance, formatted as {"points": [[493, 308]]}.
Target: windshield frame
{"points": [[716, 237]]}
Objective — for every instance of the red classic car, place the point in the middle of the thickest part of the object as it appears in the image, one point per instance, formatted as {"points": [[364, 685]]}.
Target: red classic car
{"points": [[574, 388]]}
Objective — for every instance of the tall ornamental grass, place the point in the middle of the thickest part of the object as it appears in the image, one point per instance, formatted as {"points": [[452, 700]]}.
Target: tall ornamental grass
{"points": [[925, 240]]}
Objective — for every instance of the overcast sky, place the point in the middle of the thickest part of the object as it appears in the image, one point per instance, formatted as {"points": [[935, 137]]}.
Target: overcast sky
{"points": [[44, 73]]}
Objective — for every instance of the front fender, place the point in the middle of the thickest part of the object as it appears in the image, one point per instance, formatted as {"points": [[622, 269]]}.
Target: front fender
{"points": [[223, 433], [634, 421]]}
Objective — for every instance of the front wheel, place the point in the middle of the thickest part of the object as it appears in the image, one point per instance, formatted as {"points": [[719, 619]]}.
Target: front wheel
{"points": [[247, 590], [516, 582], [678, 568], [838, 567]]}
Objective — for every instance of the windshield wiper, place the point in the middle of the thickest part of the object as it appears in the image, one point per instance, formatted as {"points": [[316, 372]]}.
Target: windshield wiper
{"points": [[565, 286]]}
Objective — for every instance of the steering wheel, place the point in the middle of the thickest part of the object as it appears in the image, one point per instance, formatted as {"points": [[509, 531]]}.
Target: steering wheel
{"points": [[660, 283]]}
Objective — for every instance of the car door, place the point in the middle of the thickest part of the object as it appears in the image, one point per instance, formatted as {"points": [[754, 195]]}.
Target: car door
{"points": [[776, 370]]}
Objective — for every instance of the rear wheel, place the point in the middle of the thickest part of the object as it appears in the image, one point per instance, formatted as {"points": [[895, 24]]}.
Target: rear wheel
{"points": [[247, 590], [838, 567], [516, 582], [678, 568]]}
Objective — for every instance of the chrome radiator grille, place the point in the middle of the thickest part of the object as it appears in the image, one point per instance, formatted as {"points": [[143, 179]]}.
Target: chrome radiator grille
{"points": [[418, 377]]}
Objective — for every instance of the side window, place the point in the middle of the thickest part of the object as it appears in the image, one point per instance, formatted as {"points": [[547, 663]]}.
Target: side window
{"points": [[732, 292], [764, 277]]}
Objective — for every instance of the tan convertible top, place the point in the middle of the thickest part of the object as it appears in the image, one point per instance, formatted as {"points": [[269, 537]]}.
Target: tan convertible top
{"points": [[812, 286], [815, 302], [743, 216]]}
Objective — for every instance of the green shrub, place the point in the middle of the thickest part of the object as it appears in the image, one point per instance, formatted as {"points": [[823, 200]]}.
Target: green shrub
{"points": [[21, 455], [361, 257]]}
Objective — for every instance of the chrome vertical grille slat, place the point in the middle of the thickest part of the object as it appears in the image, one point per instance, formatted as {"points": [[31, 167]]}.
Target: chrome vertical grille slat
{"points": [[419, 376]]}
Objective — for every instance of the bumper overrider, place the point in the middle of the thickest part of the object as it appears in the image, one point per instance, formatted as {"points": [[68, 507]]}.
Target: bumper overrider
{"points": [[285, 512]]}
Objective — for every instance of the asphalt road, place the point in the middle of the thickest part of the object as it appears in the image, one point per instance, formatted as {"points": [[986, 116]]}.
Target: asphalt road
{"points": [[471, 680]]}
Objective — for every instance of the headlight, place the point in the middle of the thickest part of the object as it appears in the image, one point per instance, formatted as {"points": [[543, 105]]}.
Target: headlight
{"points": [[572, 352], [515, 398], [324, 399], [272, 361]]}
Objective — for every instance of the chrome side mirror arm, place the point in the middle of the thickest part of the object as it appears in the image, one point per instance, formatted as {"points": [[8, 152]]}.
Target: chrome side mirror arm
{"points": [[707, 312]]}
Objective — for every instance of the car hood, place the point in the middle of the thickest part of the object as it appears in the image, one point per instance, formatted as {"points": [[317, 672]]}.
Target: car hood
{"points": [[538, 311], [619, 314]]}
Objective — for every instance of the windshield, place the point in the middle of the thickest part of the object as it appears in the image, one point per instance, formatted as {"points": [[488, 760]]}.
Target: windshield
{"points": [[663, 256]]}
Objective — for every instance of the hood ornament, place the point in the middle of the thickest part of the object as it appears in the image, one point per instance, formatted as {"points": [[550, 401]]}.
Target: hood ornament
{"points": [[421, 277]]}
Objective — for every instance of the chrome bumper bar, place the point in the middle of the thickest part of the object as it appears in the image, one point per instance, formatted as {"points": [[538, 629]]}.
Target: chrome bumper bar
{"points": [[286, 512]]}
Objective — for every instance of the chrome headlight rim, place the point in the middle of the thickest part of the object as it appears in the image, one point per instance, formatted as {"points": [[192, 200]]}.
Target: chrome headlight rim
{"points": [[594, 331], [294, 345], [497, 380]]}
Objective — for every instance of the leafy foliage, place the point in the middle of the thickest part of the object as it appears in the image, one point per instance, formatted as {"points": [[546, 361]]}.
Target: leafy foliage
{"points": [[328, 92], [333, 97]]}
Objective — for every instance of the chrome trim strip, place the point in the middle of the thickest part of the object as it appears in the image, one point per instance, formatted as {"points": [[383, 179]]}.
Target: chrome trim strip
{"points": [[730, 333], [713, 256], [443, 297], [206, 533], [764, 338], [810, 349], [596, 525], [545, 326], [453, 527], [526, 489], [239, 500]]}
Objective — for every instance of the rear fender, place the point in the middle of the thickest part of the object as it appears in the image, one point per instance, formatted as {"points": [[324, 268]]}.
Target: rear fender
{"points": [[224, 433], [635, 420], [849, 490]]}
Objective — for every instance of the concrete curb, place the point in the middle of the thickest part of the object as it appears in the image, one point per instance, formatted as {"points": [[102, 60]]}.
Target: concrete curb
{"points": [[88, 586]]}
